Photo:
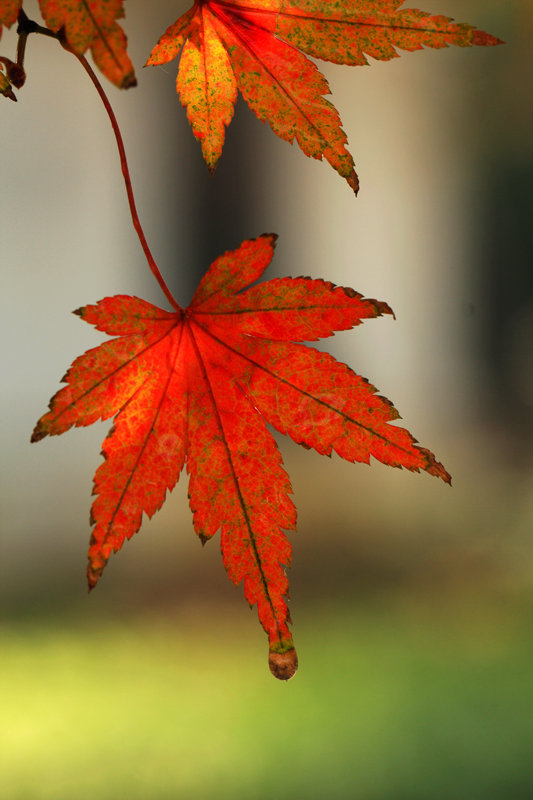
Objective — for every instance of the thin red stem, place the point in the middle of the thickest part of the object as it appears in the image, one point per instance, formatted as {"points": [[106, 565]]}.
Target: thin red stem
{"points": [[127, 180]]}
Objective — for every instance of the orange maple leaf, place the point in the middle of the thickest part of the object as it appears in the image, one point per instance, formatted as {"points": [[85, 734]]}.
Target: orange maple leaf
{"points": [[197, 386], [93, 25], [258, 46], [9, 10]]}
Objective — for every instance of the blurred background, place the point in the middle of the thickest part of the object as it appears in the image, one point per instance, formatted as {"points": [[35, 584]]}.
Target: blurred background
{"points": [[412, 602]]}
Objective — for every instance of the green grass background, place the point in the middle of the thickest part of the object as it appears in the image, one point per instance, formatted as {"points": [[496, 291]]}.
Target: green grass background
{"points": [[401, 698]]}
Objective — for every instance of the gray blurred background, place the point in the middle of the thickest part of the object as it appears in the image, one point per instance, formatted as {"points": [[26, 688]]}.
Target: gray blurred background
{"points": [[442, 231]]}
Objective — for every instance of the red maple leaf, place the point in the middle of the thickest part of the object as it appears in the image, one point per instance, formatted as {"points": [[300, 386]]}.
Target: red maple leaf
{"points": [[93, 25], [197, 386], [258, 46]]}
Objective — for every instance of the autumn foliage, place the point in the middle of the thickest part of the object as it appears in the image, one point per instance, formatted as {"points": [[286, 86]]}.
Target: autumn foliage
{"points": [[258, 46], [196, 387], [86, 26]]}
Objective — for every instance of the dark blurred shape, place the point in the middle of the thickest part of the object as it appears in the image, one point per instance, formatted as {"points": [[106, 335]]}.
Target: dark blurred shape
{"points": [[221, 205], [508, 280]]}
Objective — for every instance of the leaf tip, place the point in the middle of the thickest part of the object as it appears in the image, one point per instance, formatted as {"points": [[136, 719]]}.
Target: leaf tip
{"points": [[272, 236], [444, 474], [353, 181], [483, 39], [96, 562], [283, 666], [38, 433], [92, 578], [129, 81], [384, 308], [435, 468], [6, 89]]}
